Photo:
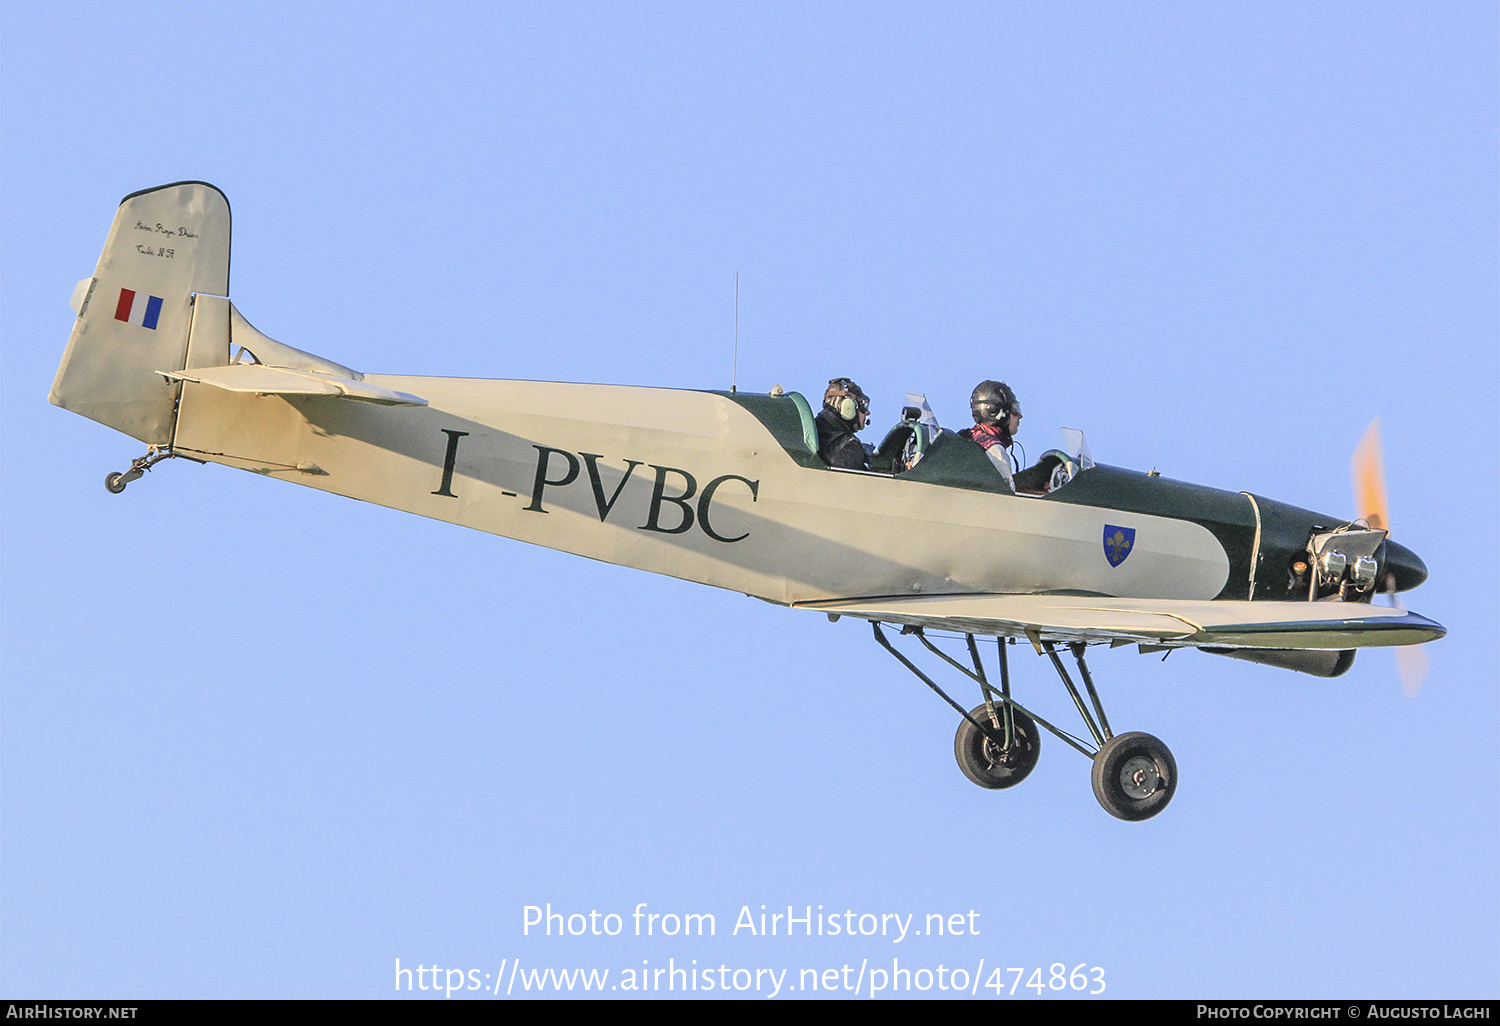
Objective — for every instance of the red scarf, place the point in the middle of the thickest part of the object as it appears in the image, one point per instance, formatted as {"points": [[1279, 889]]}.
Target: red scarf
{"points": [[987, 435]]}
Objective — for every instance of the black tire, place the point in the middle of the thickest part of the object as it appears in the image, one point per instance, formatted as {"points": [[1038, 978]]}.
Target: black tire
{"points": [[1135, 776], [982, 760], [115, 483]]}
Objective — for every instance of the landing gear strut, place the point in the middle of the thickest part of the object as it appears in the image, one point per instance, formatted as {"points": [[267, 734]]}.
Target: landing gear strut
{"points": [[998, 743], [116, 482]]}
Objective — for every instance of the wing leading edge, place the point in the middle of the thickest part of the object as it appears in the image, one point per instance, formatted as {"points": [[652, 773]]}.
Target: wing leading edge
{"points": [[1168, 622]]}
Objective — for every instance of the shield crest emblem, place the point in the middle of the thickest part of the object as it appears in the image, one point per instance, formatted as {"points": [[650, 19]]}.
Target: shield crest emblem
{"points": [[1118, 543]]}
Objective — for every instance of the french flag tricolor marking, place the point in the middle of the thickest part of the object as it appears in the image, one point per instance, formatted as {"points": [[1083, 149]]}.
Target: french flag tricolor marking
{"points": [[138, 308]]}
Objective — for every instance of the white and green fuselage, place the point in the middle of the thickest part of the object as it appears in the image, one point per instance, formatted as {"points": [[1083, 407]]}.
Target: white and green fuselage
{"points": [[719, 488]]}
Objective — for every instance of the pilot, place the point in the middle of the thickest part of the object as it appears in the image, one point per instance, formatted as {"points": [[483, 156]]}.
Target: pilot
{"points": [[997, 418], [846, 410]]}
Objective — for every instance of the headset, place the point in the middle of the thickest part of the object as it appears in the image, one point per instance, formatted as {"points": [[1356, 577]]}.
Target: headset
{"points": [[846, 399]]}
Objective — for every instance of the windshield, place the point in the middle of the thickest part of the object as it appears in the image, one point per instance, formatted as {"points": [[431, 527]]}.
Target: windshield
{"points": [[1077, 448]]}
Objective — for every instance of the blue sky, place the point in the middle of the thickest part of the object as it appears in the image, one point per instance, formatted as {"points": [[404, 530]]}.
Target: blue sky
{"points": [[260, 741]]}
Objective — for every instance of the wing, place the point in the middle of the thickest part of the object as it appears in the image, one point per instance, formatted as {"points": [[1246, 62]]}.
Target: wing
{"points": [[1167, 622]]}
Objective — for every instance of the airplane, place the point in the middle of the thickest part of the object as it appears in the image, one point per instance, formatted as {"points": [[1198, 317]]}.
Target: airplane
{"points": [[726, 488]]}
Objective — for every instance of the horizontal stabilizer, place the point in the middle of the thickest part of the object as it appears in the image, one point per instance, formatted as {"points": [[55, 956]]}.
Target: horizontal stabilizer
{"points": [[262, 380], [1171, 622]]}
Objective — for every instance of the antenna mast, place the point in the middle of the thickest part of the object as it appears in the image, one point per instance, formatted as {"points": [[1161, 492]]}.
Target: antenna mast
{"points": [[735, 371]]}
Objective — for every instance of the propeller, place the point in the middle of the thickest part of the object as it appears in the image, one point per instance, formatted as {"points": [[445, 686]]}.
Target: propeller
{"points": [[1369, 480], [1368, 472]]}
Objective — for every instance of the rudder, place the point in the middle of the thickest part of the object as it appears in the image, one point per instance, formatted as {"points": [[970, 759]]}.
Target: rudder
{"points": [[135, 315]]}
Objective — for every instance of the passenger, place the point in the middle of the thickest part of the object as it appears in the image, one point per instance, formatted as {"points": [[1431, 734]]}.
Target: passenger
{"points": [[846, 410], [997, 418]]}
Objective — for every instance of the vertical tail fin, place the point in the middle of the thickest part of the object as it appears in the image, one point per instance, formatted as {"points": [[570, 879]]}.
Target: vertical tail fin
{"points": [[135, 315]]}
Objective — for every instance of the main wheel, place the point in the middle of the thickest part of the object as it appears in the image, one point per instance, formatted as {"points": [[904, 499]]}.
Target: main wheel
{"points": [[987, 763], [115, 483], [1134, 776]]}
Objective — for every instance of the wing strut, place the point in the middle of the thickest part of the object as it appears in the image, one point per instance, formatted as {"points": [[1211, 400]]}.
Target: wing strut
{"points": [[989, 692], [1007, 738], [1101, 730], [880, 637]]}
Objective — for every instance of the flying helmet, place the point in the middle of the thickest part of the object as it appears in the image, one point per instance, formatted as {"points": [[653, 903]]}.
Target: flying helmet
{"points": [[993, 403], [846, 399]]}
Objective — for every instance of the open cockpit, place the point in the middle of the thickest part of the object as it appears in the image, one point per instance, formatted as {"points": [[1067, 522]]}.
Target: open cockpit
{"points": [[917, 448]]}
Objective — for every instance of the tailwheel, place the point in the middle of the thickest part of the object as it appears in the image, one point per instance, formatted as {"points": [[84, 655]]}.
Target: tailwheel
{"points": [[116, 482], [991, 763], [1134, 776]]}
